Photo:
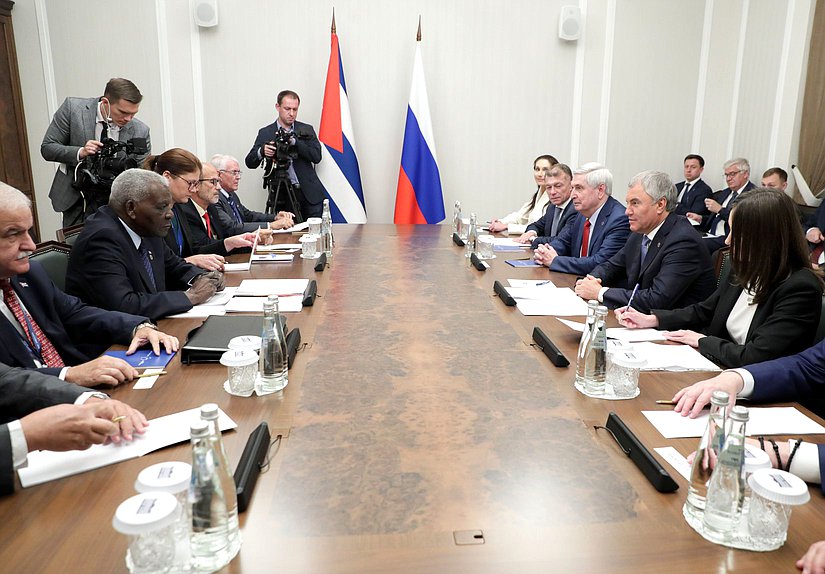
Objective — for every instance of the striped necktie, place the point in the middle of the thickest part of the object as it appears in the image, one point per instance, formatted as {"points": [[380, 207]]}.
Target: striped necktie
{"points": [[36, 339]]}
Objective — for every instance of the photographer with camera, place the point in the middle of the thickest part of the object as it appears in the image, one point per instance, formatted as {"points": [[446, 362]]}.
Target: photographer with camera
{"points": [[77, 134], [289, 149]]}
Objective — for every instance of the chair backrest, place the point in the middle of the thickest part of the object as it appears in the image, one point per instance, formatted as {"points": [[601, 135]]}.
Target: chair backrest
{"points": [[721, 265], [54, 257], [68, 235], [820, 329]]}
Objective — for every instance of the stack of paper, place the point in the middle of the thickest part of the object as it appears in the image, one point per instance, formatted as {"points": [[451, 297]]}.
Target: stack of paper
{"points": [[292, 303], [44, 466], [265, 287], [673, 358], [621, 333], [547, 300]]}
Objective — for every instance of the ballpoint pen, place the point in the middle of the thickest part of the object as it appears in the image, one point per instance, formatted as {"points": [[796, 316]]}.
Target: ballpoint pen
{"points": [[633, 294]]}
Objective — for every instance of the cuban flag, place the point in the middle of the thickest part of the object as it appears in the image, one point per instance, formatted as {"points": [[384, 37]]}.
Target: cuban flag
{"points": [[338, 170], [418, 198]]}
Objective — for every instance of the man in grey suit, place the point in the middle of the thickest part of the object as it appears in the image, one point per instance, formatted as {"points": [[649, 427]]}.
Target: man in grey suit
{"points": [[77, 131]]}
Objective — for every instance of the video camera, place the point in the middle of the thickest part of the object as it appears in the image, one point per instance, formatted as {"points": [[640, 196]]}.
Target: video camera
{"points": [[284, 151], [95, 173]]}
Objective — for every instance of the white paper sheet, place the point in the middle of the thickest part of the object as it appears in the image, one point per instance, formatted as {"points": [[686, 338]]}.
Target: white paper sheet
{"points": [[264, 287], [675, 459], [286, 304], [273, 258], [221, 298], [279, 247], [509, 242], [621, 333], [762, 421], [199, 312], [540, 292], [44, 466], [147, 382], [563, 302], [530, 282], [673, 358]]}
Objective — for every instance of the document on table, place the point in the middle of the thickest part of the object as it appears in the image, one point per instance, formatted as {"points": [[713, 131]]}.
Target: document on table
{"points": [[762, 421], [522, 263], [286, 304], [542, 290], [529, 282], [298, 227], [199, 312], [675, 459], [559, 302], [279, 247], [235, 267], [273, 258], [44, 466], [621, 333], [507, 242], [221, 298], [673, 358], [264, 287]]}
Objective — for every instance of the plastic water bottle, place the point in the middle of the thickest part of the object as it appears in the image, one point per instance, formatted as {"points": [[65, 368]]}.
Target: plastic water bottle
{"points": [[709, 448], [726, 490], [326, 230], [274, 360], [585, 340], [210, 545], [209, 413], [472, 237], [595, 364]]}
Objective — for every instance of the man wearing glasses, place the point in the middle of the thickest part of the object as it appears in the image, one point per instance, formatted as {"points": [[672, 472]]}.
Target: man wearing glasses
{"points": [[715, 224], [200, 213], [235, 217]]}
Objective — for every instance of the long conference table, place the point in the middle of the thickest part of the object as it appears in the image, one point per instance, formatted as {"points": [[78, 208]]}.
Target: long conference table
{"points": [[417, 414]]}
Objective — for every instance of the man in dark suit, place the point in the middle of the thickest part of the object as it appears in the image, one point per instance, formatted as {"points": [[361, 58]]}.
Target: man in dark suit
{"points": [[41, 412], [202, 217], [597, 232], [308, 188], [715, 224], [692, 193], [120, 260], [560, 211], [235, 217], [663, 256], [43, 328], [76, 132]]}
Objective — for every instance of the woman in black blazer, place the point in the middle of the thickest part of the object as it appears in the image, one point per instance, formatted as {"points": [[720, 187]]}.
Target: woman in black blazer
{"points": [[771, 305]]}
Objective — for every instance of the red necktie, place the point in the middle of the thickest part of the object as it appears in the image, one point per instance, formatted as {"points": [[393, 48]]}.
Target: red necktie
{"points": [[208, 225], [38, 341], [585, 238]]}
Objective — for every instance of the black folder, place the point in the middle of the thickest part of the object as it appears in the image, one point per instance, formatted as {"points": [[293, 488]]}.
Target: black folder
{"points": [[206, 344]]}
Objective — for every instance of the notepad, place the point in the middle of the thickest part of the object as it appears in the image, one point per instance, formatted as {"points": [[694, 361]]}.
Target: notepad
{"points": [[560, 302], [522, 263], [673, 358], [762, 421], [143, 358], [44, 466], [265, 287]]}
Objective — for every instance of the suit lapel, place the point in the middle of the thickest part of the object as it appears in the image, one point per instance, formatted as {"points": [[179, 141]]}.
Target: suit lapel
{"points": [[90, 119]]}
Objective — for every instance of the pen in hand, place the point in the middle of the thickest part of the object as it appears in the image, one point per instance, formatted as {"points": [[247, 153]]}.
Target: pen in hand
{"points": [[633, 294]]}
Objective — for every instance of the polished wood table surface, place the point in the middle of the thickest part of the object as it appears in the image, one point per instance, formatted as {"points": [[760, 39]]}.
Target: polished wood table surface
{"points": [[417, 411]]}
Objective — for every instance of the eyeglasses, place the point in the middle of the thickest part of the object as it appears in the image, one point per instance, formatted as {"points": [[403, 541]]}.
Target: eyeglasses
{"points": [[732, 174], [214, 181], [195, 184], [234, 172]]}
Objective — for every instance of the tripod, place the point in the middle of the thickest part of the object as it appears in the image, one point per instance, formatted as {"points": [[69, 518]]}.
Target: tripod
{"points": [[276, 183]]}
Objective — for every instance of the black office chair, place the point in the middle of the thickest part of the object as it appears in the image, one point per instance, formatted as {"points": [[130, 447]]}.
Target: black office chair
{"points": [[721, 265], [68, 235], [820, 329], [54, 257]]}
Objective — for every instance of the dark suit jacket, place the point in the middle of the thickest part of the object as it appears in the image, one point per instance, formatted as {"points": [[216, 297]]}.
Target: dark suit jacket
{"points": [[710, 220], [78, 331], [72, 126], [200, 241], [676, 272], [191, 237], [543, 226], [309, 153], [22, 392], [606, 238], [106, 270], [783, 324], [250, 220], [694, 199]]}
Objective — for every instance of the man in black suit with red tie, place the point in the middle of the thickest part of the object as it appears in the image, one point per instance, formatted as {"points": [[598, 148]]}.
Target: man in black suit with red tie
{"points": [[44, 328]]}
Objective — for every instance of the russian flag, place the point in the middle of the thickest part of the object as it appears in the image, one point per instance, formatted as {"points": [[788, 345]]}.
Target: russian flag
{"points": [[338, 170], [418, 198]]}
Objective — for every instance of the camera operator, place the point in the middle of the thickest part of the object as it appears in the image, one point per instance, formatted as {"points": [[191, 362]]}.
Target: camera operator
{"points": [[78, 130], [304, 150]]}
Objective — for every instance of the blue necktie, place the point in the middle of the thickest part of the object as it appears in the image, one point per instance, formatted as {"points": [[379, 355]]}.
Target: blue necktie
{"points": [[235, 209], [146, 256], [176, 230], [645, 245]]}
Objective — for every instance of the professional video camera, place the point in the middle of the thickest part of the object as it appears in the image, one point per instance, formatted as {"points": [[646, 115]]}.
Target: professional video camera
{"points": [[94, 175], [276, 176]]}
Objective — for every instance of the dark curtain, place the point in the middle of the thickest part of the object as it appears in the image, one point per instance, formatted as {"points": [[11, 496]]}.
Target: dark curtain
{"points": [[812, 133]]}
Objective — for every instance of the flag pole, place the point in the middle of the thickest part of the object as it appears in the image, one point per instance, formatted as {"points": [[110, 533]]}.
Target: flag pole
{"points": [[418, 35], [333, 20]]}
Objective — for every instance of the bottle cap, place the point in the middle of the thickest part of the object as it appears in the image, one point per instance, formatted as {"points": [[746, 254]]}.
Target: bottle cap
{"points": [[209, 411], [720, 398], [172, 477], [199, 429], [779, 486], [739, 413], [145, 512]]}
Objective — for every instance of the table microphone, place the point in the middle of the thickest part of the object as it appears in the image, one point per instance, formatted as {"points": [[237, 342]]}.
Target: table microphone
{"points": [[292, 342], [457, 240], [309, 293], [549, 348], [322, 263], [502, 293], [478, 263], [249, 467]]}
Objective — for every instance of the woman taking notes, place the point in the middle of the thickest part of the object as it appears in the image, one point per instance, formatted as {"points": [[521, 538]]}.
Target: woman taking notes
{"points": [[771, 304], [517, 222]]}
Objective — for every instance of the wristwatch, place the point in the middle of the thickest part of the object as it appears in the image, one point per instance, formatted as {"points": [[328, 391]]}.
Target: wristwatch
{"points": [[142, 325]]}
